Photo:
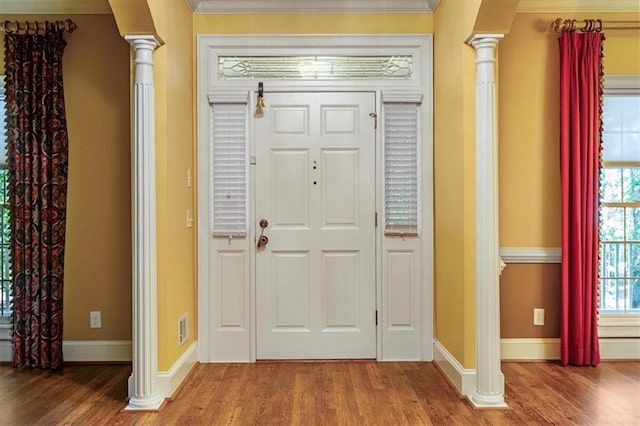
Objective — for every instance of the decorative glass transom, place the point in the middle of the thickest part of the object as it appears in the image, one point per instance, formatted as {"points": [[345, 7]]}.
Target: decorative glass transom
{"points": [[315, 67]]}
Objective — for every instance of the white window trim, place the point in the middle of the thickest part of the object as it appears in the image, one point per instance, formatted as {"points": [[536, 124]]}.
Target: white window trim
{"points": [[620, 325]]}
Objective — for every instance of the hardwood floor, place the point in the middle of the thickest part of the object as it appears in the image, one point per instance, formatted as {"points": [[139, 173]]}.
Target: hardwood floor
{"points": [[332, 393]]}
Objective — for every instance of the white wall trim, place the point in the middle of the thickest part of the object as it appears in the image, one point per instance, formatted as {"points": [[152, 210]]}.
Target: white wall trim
{"points": [[6, 351], [539, 349], [531, 254], [621, 84], [530, 349], [462, 379], [170, 381], [83, 351], [541, 6]]}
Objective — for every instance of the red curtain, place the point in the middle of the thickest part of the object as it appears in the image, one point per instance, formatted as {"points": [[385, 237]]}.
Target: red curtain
{"points": [[37, 151], [580, 129]]}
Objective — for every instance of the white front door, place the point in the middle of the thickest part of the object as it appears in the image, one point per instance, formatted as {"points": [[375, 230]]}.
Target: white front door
{"points": [[315, 185]]}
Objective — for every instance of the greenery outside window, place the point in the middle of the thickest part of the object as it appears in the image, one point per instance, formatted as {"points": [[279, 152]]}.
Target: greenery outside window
{"points": [[619, 303]]}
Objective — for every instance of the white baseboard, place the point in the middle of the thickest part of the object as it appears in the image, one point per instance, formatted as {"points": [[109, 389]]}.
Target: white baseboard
{"points": [[170, 381], [83, 351], [463, 380], [530, 349], [549, 349], [97, 350], [6, 353], [619, 349]]}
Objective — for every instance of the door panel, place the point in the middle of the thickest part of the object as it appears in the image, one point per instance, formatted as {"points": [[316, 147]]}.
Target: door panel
{"points": [[315, 184]]}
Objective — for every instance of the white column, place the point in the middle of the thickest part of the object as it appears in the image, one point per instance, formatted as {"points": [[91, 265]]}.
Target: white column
{"points": [[490, 386], [144, 394]]}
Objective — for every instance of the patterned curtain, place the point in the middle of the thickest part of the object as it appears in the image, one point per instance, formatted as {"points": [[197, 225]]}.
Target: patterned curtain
{"points": [[37, 151]]}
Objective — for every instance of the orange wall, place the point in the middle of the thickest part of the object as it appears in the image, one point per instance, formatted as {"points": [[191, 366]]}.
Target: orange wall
{"points": [[98, 244], [529, 159]]}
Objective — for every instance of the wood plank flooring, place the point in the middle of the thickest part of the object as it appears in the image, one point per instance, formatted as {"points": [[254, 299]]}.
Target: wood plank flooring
{"points": [[325, 393]]}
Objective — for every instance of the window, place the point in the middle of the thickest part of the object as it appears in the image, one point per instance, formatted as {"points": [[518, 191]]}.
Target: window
{"points": [[5, 269], [619, 302], [401, 168], [229, 160], [392, 67]]}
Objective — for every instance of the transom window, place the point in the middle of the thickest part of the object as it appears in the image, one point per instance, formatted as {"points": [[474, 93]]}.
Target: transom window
{"points": [[315, 67], [620, 208]]}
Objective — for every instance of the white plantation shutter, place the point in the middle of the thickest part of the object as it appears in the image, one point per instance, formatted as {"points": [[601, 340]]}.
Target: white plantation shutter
{"points": [[401, 168], [229, 165]]}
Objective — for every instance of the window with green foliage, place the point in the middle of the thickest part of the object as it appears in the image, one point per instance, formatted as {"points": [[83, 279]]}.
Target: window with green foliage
{"points": [[5, 269], [620, 210]]}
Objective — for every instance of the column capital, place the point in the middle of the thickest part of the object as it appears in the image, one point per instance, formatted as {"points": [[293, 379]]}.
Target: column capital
{"points": [[484, 40], [144, 41]]}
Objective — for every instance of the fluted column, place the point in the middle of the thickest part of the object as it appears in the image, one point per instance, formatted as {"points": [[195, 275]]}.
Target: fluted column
{"points": [[145, 306], [490, 387]]}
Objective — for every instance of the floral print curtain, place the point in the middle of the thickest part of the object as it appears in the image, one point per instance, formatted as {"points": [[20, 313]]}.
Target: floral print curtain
{"points": [[37, 154]]}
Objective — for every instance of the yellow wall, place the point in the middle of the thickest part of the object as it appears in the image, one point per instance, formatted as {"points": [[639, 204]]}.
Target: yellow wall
{"points": [[454, 178], [344, 23], [173, 73], [529, 126], [98, 244], [529, 158]]}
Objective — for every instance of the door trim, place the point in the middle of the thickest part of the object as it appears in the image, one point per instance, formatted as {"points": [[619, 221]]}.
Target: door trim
{"points": [[209, 47]]}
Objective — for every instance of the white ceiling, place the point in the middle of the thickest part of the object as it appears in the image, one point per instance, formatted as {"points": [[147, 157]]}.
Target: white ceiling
{"points": [[267, 6], [227, 6]]}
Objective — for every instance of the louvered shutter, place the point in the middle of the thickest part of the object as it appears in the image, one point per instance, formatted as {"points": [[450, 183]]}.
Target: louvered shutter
{"points": [[229, 160], [401, 168]]}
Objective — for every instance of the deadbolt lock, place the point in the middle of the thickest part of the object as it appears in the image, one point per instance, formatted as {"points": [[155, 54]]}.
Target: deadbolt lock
{"points": [[263, 240]]}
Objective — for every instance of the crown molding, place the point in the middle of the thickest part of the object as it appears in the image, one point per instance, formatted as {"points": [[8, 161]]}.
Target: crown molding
{"points": [[326, 6], [554, 6]]}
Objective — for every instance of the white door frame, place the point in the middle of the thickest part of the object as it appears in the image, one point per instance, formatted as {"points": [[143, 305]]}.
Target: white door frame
{"points": [[418, 86]]}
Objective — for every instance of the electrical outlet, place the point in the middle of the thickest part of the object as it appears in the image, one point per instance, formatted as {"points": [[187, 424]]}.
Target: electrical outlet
{"points": [[189, 178], [189, 219], [95, 319], [538, 316]]}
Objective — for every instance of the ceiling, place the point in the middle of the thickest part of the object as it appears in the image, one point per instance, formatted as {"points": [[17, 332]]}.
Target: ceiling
{"points": [[272, 6]]}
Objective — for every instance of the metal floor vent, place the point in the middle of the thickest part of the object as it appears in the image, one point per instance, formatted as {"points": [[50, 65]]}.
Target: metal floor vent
{"points": [[183, 329]]}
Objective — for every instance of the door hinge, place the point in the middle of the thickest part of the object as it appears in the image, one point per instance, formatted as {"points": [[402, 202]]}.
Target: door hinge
{"points": [[376, 220], [375, 119], [376, 317]]}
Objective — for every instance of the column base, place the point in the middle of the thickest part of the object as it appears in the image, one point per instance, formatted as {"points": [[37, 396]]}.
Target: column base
{"points": [[480, 400], [145, 404]]}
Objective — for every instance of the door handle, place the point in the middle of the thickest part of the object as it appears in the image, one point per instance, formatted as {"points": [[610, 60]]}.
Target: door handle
{"points": [[263, 240]]}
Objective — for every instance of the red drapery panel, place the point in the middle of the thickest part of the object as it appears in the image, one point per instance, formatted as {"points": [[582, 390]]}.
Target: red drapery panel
{"points": [[580, 129], [37, 148]]}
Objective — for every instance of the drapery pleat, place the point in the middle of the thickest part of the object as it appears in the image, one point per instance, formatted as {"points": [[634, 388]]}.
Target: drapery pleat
{"points": [[580, 130], [37, 154]]}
